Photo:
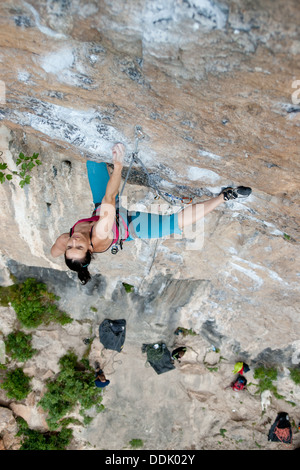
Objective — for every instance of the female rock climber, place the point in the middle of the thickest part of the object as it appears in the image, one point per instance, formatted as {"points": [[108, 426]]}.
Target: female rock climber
{"points": [[98, 233]]}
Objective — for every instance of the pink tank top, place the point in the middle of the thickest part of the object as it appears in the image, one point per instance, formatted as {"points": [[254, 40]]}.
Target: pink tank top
{"points": [[115, 228], [96, 218]]}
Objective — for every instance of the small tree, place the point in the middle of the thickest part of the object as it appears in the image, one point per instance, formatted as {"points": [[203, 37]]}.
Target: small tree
{"points": [[18, 346], [75, 383], [33, 304], [35, 440], [16, 384]]}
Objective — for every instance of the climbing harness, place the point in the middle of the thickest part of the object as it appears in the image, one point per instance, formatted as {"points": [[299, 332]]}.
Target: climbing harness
{"points": [[169, 198]]}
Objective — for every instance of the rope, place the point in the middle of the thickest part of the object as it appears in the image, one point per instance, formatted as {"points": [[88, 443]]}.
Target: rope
{"points": [[283, 434], [135, 159], [138, 136]]}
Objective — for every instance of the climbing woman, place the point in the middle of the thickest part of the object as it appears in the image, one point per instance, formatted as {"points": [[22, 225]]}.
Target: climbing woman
{"points": [[111, 224]]}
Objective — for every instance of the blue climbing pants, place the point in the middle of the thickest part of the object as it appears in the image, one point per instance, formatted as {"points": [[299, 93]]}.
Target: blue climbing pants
{"points": [[98, 178], [146, 225]]}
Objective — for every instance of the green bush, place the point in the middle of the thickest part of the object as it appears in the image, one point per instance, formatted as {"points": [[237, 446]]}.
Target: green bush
{"points": [[75, 383], [128, 287], [16, 384], [33, 304], [185, 331], [136, 443], [35, 440], [18, 346], [295, 375], [266, 376]]}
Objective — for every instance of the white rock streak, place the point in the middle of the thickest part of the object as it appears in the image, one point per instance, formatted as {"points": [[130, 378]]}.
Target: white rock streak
{"points": [[43, 29]]}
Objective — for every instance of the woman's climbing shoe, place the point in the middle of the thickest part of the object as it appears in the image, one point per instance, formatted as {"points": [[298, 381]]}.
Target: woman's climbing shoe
{"points": [[235, 193]]}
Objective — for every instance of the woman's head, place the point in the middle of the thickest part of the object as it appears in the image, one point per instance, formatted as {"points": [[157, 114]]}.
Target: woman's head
{"points": [[78, 256], [80, 266]]}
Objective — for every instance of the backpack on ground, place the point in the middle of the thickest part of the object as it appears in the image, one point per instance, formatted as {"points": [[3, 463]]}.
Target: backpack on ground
{"points": [[112, 334], [281, 429], [159, 357], [239, 384]]}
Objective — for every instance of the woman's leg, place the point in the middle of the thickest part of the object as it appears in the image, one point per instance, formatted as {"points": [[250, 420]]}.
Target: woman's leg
{"points": [[98, 178], [147, 225], [191, 214]]}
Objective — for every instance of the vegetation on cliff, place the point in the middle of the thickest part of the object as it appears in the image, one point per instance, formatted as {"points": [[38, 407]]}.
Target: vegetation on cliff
{"points": [[75, 383], [33, 304]]}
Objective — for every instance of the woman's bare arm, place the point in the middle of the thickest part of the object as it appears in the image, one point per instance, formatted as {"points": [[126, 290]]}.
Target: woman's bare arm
{"points": [[103, 228], [60, 245]]}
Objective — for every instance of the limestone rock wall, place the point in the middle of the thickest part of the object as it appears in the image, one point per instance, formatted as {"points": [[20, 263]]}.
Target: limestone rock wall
{"points": [[214, 87]]}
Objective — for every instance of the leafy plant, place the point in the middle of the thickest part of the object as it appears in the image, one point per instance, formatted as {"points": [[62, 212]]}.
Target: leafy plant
{"points": [[128, 287], [35, 440], [136, 443], [27, 164], [266, 376], [75, 383], [18, 346], [16, 384], [33, 304], [295, 375], [185, 331]]}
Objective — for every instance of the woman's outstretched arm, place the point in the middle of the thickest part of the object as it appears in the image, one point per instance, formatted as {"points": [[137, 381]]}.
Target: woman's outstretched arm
{"points": [[103, 228]]}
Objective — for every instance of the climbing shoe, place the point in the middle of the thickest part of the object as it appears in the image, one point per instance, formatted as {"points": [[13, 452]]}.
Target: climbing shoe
{"points": [[235, 193]]}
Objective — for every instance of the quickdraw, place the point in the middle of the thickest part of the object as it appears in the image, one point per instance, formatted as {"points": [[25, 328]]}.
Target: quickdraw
{"points": [[184, 200]]}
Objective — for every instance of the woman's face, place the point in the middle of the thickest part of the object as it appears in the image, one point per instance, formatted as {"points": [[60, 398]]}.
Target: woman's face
{"points": [[77, 246]]}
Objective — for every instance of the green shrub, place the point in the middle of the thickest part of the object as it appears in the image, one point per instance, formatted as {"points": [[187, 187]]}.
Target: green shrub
{"points": [[33, 304], [266, 376], [18, 346], [295, 375], [128, 287], [16, 384], [35, 440], [184, 331], [75, 383], [136, 443]]}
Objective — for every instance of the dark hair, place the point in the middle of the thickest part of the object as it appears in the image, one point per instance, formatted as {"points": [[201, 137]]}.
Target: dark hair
{"points": [[80, 266]]}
